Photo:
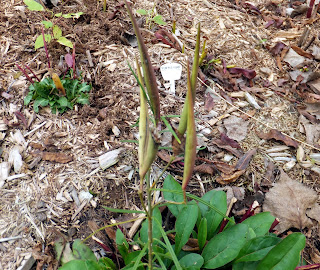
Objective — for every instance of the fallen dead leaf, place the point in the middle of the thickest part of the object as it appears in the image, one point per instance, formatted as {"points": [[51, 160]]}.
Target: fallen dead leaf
{"points": [[302, 52], [244, 161], [289, 201], [54, 157], [236, 128], [277, 135], [312, 130], [226, 140], [227, 178]]}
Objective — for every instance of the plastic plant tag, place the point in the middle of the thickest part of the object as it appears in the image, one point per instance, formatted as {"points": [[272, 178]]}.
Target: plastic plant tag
{"points": [[171, 72]]}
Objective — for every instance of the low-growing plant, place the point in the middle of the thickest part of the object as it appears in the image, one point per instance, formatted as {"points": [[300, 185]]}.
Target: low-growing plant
{"points": [[55, 32], [202, 224], [46, 93], [152, 17], [60, 94]]}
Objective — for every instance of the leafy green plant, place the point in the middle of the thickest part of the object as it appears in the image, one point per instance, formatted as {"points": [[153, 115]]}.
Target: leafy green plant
{"points": [[56, 32], [59, 94], [151, 17], [46, 93], [221, 243]]}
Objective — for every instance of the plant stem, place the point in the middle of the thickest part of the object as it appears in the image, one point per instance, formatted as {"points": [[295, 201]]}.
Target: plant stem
{"points": [[45, 47], [150, 210], [34, 75], [25, 74]]}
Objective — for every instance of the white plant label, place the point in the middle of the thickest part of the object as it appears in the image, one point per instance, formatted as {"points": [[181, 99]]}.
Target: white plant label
{"points": [[171, 72]]}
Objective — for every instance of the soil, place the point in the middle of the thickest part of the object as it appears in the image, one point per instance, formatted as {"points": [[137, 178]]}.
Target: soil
{"points": [[39, 203]]}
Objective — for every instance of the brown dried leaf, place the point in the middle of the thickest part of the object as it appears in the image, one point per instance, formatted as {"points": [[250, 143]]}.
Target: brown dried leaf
{"points": [[220, 144], [226, 140], [277, 135], [56, 157], [227, 178], [289, 200], [302, 52], [244, 161], [236, 127], [205, 168], [209, 103]]}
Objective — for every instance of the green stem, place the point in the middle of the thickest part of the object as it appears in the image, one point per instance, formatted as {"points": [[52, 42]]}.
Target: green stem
{"points": [[150, 209]]}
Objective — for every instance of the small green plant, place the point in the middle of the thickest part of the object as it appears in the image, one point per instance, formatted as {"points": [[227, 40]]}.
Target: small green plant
{"points": [[151, 17], [56, 32], [45, 93], [59, 94], [220, 242]]}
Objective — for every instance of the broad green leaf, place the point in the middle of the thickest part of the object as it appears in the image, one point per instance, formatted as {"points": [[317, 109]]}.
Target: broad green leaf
{"points": [[58, 14], [84, 87], [39, 102], [63, 251], [190, 261], [64, 41], [158, 20], [82, 251], [260, 223], [83, 99], [224, 247], [171, 184], [47, 24], [57, 32], [122, 243], [156, 215], [202, 233], [81, 265], [63, 102], [217, 198], [107, 263], [142, 12], [123, 210], [285, 255], [255, 249], [33, 5], [245, 266], [185, 223], [28, 98], [39, 41]]}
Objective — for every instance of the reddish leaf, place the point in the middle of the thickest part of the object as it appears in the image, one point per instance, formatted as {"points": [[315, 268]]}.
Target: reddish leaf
{"points": [[248, 73], [226, 140], [276, 49], [277, 135], [161, 34], [244, 161], [269, 23], [69, 60], [20, 116], [251, 7]]}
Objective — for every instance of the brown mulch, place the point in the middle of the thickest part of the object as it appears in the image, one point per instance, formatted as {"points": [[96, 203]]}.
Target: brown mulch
{"points": [[44, 199]]}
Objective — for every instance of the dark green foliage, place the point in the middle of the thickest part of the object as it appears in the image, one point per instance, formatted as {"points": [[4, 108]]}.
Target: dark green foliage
{"points": [[45, 93]]}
